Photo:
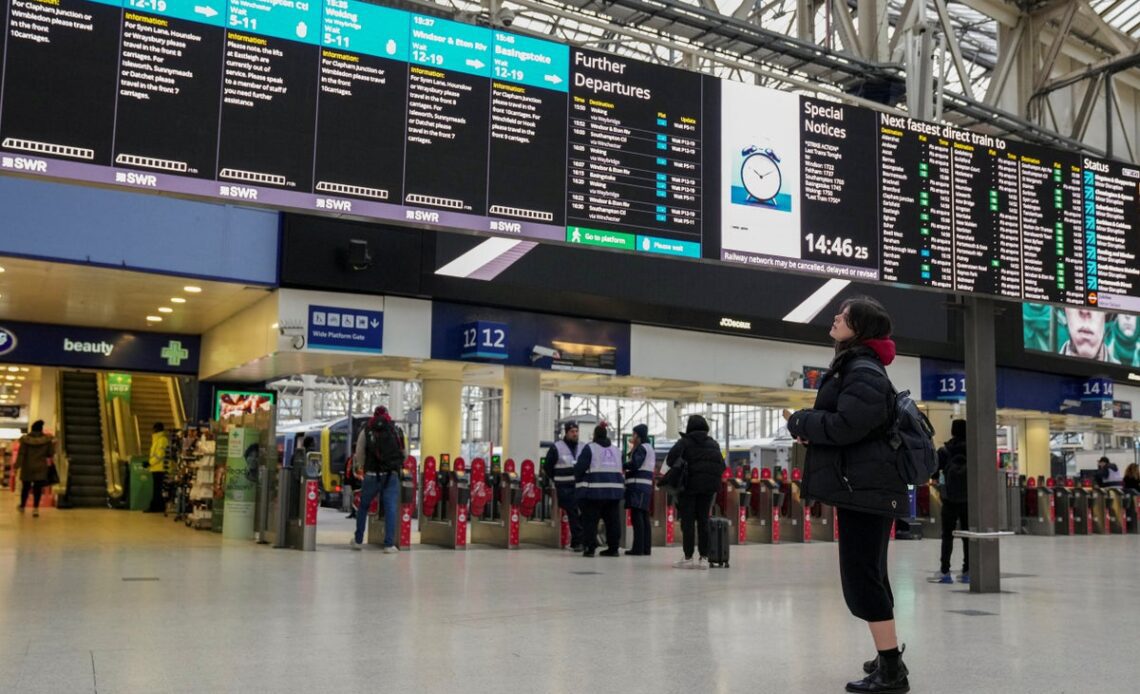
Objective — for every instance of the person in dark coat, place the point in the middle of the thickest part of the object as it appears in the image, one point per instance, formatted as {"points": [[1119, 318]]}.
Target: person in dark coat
{"points": [[952, 467], [639, 469], [36, 454], [851, 466], [701, 453]]}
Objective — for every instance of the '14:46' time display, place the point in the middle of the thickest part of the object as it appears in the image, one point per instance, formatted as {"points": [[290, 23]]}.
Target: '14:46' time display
{"points": [[837, 246]]}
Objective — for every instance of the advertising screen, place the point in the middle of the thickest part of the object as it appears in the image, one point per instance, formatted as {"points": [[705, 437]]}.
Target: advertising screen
{"points": [[232, 403], [370, 112], [1082, 333]]}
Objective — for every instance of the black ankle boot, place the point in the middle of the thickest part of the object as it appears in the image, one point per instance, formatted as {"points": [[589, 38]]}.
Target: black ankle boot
{"points": [[889, 677]]}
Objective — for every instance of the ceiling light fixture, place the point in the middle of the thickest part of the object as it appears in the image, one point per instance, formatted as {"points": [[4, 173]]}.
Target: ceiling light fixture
{"points": [[177, 300], [13, 368], [165, 309], [191, 289], [2, 268], [154, 319]]}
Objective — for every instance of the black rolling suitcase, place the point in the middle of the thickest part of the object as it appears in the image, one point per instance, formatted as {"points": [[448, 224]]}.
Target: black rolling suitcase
{"points": [[719, 529]]}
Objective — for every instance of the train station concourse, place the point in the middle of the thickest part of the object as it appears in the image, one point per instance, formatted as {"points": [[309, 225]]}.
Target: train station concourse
{"points": [[777, 346]]}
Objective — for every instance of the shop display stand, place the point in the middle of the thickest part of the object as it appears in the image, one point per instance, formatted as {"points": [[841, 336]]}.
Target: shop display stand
{"points": [[200, 465]]}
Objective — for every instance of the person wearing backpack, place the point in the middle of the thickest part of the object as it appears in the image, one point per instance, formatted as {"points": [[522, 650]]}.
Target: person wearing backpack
{"points": [[704, 468], [381, 447], [952, 467], [851, 464]]}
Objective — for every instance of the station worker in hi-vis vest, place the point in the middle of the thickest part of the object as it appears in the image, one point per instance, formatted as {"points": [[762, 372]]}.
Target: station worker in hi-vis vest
{"points": [[639, 471], [600, 486], [559, 468]]}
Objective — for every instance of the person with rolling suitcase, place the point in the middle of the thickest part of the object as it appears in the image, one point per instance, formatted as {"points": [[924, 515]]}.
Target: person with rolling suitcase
{"points": [[704, 467]]}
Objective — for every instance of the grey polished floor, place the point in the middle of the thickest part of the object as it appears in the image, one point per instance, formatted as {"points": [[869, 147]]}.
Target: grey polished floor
{"points": [[106, 601]]}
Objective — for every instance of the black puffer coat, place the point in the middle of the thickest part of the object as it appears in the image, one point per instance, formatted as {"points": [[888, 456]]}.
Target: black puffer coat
{"points": [[706, 463], [849, 462]]}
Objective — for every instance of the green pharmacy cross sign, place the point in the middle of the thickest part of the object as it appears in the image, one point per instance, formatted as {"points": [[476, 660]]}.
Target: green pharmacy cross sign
{"points": [[174, 353]]}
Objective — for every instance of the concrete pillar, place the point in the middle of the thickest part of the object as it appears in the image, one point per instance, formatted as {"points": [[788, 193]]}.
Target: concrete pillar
{"points": [[522, 424], [442, 424], [673, 424], [1033, 457], [308, 398], [396, 400]]}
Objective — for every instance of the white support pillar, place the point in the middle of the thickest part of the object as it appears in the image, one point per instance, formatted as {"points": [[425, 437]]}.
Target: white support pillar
{"points": [[396, 400], [308, 398], [1033, 454], [522, 428]]}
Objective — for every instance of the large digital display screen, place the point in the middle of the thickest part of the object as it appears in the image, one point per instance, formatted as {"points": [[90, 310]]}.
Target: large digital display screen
{"points": [[365, 111], [1082, 333]]}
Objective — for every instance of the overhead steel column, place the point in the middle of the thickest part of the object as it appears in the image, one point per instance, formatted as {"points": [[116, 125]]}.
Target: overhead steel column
{"points": [[981, 442]]}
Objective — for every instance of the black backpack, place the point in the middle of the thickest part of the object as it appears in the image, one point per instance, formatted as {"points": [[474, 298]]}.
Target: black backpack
{"points": [[910, 434], [384, 448]]}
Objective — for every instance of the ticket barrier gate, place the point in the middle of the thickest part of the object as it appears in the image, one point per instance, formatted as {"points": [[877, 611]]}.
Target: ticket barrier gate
{"points": [[824, 523], [1064, 500], [1082, 508], [663, 516], [732, 504], [795, 515], [295, 510], [928, 501], [447, 493], [1039, 508], [1098, 509], [546, 524], [377, 532], [1114, 521], [1013, 496], [765, 500], [1131, 503], [495, 499]]}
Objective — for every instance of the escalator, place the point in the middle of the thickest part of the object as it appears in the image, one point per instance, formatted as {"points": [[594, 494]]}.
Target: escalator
{"points": [[154, 399], [83, 439]]}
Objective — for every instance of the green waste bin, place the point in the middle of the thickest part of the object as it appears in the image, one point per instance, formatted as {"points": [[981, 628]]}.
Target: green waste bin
{"points": [[142, 484]]}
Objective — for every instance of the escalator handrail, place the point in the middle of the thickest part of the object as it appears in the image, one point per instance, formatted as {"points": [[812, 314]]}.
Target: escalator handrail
{"points": [[113, 484]]}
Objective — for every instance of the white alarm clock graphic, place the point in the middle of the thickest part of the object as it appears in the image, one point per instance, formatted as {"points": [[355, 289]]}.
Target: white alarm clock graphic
{"points": [[760, 173]]}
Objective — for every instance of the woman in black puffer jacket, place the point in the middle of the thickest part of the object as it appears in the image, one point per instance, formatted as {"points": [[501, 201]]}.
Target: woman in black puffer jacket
{"points": [[851, 466], [705, 467]]}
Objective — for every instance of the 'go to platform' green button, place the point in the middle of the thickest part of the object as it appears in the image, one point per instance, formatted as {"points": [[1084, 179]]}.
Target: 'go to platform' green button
{"points": [[597, 237]]}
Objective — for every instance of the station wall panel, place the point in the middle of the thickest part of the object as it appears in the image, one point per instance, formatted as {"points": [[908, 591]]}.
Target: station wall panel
{"points": [[54, 221]]}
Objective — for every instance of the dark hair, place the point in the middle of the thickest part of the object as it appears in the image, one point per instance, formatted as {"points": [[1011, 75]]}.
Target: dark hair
{"points": [[601, 432], [696, 423], [1132, 472], [308, 443], [958, 429], [158, 426], [867, 319], [38, 426], [1104, 459]]}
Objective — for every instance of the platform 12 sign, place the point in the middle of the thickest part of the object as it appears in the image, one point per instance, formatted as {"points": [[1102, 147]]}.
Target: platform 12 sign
{"points": [[484, 340]]}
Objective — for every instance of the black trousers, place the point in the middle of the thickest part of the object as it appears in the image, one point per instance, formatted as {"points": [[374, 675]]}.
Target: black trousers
{"points": [[569, 504], [157, 503], [35, 488], [610, 514], [954, 514], [642, 531], [863, 542], [694, 510]]}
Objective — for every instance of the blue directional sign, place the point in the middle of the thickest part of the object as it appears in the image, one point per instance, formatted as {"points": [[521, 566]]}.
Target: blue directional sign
{"points": [[296, 21], [352, 329], [362, 27], [533, 62], [211, 12], [449, 45]]}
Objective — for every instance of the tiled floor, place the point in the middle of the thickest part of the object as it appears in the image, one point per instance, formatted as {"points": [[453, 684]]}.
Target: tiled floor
{"points": [[110, 601]]}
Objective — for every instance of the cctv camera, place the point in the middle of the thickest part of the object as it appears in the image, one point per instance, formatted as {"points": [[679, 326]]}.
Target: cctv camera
{"points": [[538, 352], [506, 16]]}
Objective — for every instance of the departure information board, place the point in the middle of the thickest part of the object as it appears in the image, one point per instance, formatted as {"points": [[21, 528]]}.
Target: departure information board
{"points": [[357, 109]]}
